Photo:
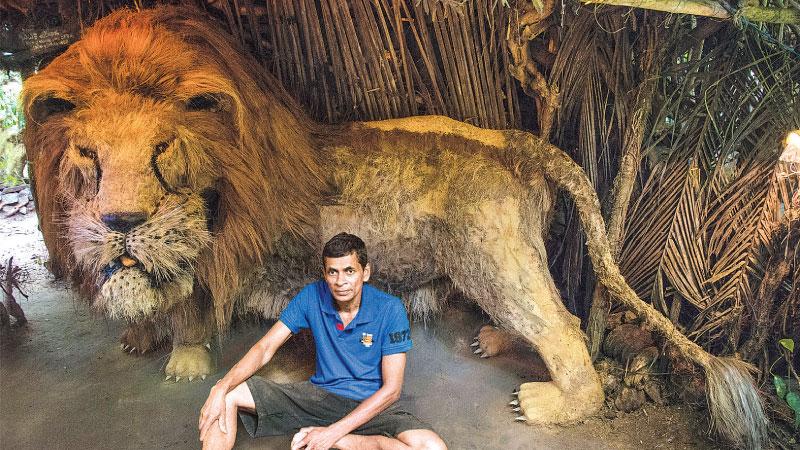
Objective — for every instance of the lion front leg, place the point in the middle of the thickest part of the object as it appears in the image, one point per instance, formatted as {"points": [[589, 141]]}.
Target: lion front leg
{"points": [[191, 343], [143, 336]]}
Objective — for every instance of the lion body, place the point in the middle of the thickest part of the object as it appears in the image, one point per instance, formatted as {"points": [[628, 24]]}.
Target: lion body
{"points": [[177, 183], [425, 204], [172, 209]]}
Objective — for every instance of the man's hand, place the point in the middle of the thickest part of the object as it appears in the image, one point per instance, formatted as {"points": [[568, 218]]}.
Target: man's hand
{"points": [[213, 411], [315, 438]]}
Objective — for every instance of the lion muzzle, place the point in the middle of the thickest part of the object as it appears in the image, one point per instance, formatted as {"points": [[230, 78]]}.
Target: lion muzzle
{"points": [[143, 264]]}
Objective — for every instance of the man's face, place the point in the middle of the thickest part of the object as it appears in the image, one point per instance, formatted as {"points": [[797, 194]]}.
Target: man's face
{"points": [[345, 277]]}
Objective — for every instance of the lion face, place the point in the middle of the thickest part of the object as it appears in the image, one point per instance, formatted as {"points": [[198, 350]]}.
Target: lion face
{"points": [[136, 171], [136, 216]]}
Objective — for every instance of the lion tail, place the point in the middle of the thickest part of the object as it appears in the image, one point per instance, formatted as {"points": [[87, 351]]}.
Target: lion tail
{"points": [[737, 413]]}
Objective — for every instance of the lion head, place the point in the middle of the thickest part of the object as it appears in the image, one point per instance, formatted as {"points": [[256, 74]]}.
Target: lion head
{"points": [[164, 159]]}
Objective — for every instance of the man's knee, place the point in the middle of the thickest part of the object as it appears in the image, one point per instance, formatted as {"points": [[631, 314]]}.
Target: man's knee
{"points": [[422, 440], [241, 398]]}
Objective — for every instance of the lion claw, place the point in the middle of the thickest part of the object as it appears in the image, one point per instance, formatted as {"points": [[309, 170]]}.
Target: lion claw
{"points": [[475, 344], [520, 419], [203, 377], [133, 349], [517, 409], [478, 351], [513, 403], [177, 379], [168, 377], [190, 379], [484, 355]]}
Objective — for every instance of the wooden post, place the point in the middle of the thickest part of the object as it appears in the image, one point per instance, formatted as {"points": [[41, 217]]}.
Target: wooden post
{"points": [[709, 8]]}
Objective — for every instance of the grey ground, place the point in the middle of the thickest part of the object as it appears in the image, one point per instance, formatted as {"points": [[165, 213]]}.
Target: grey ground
{"points": [[65, 383]]}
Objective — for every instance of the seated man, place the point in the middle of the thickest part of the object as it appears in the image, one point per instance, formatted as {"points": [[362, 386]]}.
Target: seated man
{"points": [[361, 336]]}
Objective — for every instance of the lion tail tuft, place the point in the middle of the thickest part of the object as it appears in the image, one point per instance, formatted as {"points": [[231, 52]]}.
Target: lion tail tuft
{"points": [[737, 413]]}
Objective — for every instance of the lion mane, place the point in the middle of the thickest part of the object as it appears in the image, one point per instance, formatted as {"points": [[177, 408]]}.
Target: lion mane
{"points": [[259, 152], [175, 179]]}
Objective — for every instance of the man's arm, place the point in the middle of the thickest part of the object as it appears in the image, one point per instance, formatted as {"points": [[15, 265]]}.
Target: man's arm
{"points": [[254, 359], [392, 368], [258, 356]]}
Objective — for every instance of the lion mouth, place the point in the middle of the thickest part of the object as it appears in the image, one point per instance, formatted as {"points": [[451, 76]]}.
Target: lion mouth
{"points": [[126, 289], [126, 262]]}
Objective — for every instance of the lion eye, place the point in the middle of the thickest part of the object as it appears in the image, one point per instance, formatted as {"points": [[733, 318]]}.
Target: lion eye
{"points": [[203, 102], [87, 153], [160, 148]]}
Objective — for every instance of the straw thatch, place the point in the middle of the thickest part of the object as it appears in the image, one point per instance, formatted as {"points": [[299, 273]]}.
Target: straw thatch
{"points": [[382, 59]]}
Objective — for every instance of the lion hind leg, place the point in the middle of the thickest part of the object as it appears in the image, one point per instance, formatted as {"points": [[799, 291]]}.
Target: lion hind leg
{"points": [[493, 341], [506, 274]]}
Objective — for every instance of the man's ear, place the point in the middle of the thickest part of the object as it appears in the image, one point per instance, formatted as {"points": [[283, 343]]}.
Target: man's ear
{"points": [[367, 271]]}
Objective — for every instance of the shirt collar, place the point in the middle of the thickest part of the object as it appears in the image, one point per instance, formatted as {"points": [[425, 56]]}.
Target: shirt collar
{"points": [[366, 311]]}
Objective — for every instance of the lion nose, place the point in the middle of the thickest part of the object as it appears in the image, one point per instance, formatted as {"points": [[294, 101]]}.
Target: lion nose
{"points": [[123, 222]]}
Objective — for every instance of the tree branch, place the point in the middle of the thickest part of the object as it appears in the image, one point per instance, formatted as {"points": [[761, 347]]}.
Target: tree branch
{"points": [[710, 8]]}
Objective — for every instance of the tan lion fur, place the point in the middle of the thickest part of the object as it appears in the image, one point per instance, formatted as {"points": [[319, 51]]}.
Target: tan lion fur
{"points": [[118, 124]]}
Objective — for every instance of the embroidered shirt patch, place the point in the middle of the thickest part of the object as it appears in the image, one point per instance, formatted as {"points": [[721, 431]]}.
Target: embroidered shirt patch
{"points": [[366, 339]]}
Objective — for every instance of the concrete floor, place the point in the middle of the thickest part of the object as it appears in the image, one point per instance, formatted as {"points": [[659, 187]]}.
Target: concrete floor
{"points": [[65, 384]]}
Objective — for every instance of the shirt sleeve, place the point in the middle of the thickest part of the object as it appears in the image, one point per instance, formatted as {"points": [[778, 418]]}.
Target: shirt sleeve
{"points": [[397, 337], [294, 316]]}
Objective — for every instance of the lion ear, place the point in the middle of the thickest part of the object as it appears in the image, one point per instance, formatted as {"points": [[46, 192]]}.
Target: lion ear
{"points": [[44, 108]]}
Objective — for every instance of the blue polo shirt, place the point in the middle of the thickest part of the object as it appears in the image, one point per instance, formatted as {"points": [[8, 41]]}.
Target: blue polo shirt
{"points": [[349, 359]]}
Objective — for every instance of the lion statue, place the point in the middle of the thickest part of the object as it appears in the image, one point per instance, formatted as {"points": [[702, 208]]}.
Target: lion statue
{"points": [[178, 185]]}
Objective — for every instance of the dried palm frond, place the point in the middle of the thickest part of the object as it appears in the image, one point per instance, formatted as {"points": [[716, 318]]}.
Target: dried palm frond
{"points": [[733, 109]]}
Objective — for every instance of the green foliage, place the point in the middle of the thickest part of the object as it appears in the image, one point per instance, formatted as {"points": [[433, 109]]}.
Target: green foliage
{"points": [[781, 388], [793, 400], [11, 118], [786, 387], [12, 154]]}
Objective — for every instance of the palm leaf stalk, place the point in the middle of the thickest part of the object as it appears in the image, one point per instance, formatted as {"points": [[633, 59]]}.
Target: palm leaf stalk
{"points": [[638, 104]]}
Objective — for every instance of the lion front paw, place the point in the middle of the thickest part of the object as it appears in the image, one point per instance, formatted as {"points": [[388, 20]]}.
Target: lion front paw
{"points": [[491, 341], [543, 403], [190, 362], [140, 338]]}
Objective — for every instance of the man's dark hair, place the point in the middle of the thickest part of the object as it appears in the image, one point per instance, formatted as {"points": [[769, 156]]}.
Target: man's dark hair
{"points": [[344, 244]]}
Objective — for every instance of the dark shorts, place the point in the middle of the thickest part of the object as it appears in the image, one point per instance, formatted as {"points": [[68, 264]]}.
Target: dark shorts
{"points": [[285, 408]]}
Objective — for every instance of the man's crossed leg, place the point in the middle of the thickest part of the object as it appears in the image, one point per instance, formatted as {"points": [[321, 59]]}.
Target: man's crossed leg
{"points": [[278, 409]]}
